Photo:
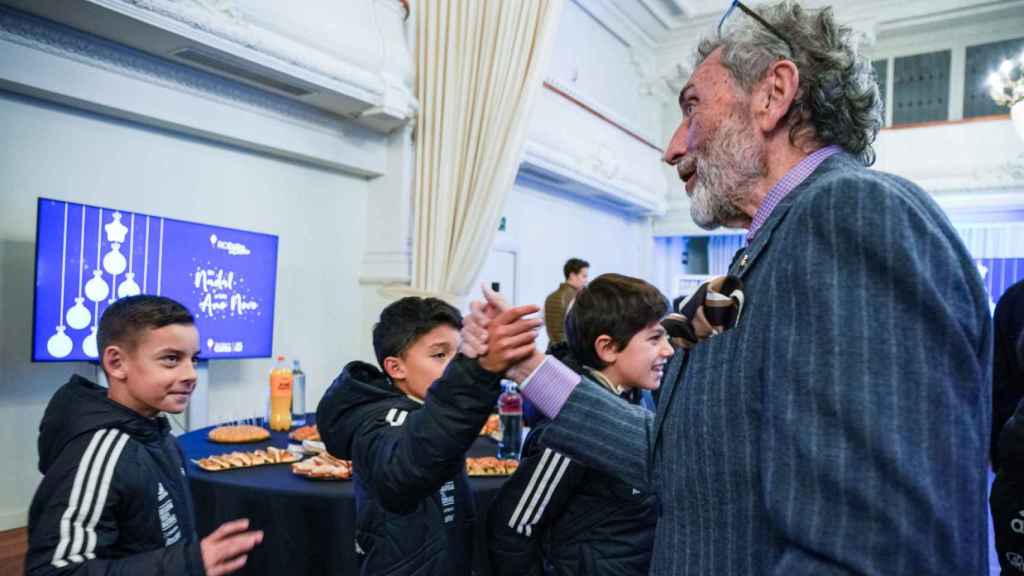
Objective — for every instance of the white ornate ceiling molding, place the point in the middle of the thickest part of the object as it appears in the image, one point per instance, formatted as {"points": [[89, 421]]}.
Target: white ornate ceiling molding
{"points": [[1006, 176], [50, 61], [348, 57], [602, 112], [619, 18], [571, 149]]}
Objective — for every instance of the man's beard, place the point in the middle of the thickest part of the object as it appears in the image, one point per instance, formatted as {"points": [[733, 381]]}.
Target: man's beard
{"points": [[727, 168]]}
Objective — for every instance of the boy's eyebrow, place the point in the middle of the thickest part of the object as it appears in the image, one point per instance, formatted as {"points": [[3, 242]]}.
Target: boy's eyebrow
{"points": [[178, 351]]}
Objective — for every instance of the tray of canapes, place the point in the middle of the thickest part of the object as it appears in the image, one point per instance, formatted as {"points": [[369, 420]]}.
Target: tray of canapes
{"points": [[490, 466], [249, 459], [323, 466]]}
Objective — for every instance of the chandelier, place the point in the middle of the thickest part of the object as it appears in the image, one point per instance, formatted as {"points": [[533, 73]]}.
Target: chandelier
{"points": [[1007, 89]]}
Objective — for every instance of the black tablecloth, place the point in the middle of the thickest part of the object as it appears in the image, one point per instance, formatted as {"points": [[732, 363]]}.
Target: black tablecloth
{"points": [[309, 525]]}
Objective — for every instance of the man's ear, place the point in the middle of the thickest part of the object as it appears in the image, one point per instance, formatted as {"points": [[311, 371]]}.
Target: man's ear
{"points": [[606, 349], [394, 368], [775, 94], [114, 362]]}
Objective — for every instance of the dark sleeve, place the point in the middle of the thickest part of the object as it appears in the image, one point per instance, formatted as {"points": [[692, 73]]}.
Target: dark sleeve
{"points": [[877, 390], [1007, 385], [603, 431], [407, 457], [74, 521], [534, 496]]}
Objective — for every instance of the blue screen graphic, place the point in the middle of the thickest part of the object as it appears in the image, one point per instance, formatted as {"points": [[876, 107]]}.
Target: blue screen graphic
{"points": [[87, 257]]}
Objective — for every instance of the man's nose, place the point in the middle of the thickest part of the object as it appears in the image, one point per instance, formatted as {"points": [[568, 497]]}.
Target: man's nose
{"points": [[676, 148]]}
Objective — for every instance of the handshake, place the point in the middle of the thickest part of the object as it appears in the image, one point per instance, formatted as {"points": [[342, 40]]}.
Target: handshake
{"points": [[502, 337]]}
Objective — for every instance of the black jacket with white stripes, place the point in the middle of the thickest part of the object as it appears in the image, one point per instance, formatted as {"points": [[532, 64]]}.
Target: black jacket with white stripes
{"points": [[558, 513], [414, 507], [114, 498]]}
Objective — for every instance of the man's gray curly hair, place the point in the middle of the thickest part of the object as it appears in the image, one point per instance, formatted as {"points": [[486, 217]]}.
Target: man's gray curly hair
{"points": [[837, 101]]}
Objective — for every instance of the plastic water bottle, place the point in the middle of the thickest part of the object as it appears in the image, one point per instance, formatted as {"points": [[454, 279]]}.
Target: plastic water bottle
{"points": [[510, 411], [298, 395]]}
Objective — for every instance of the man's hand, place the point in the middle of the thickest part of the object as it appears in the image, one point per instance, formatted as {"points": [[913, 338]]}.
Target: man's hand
{"points": [[498, 334], [509, 339], [474, 325], [227, 549]]}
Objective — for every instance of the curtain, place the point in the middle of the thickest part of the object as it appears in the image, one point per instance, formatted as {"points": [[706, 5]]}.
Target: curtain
{"points": [[479, 67]]}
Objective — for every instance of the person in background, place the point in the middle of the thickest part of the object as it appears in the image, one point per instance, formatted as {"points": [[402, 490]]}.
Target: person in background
{"points": [[1007, 368], [114, 497], [558, 512], [406, 426], [555, 305]]}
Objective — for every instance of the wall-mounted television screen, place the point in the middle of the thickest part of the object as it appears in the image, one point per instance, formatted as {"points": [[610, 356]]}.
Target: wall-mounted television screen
{"points": [[87, 257]]}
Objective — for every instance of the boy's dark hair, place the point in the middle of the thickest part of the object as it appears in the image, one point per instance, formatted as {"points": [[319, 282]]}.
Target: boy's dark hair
{"points": [[612, 304], [124, 320], [573, 266], [404, 321]]}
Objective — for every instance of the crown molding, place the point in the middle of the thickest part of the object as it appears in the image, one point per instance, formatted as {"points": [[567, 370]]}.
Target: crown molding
{"points": [[368, 78], [45, 60]]}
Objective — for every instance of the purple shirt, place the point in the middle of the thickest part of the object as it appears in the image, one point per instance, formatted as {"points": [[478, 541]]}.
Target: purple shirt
{"points": [[555, 382], [784, 186]]}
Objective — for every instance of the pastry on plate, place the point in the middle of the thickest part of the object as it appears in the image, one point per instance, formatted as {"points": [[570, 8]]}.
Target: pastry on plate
{"points": [[238, 434]]}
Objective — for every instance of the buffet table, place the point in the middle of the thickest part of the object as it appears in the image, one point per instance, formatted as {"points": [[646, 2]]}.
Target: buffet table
{"points": [[309, 525]]}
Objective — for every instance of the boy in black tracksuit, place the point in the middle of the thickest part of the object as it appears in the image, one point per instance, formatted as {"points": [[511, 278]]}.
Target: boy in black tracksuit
{"points": [[114, 498], [407, 430], [557, 516]]}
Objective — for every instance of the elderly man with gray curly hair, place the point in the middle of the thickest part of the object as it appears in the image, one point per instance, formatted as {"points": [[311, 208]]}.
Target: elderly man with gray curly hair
{"points": [[841, 425]]}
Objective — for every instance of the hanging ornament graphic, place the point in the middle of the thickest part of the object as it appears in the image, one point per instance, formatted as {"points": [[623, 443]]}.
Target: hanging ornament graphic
{"points": [[129, 287], [78, 316], [89, 344], [59, 345], [96, 289], [115, 230], [145, 258], [114, 262]]}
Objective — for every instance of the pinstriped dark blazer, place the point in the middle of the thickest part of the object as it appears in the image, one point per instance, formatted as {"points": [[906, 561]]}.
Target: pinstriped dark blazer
{"points": [[842, 426]]}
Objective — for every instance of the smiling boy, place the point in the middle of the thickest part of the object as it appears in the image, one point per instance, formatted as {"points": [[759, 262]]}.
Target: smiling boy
{"points": [[406, 427], [114, 499], [558, 516]]}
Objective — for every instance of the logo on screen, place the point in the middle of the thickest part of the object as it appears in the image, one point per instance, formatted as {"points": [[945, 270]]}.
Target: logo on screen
{"points": [[232, 248]]}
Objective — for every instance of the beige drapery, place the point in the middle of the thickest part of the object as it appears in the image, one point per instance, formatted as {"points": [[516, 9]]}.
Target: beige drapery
{"points": [[479, 67]]}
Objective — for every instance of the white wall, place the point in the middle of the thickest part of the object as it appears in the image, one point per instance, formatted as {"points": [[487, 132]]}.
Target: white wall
{"points": [[61, 153], [546, 228]]}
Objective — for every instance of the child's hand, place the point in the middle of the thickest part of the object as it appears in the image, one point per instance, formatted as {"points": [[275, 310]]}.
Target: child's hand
{"points": [[509, 339], [227, 549], [474, 326]]}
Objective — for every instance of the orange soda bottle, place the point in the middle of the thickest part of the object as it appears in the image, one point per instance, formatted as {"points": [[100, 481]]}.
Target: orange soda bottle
{"points": [[281, 396]]}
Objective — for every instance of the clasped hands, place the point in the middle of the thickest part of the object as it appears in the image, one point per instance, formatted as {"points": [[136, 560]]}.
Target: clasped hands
{"points": [[502, 337]]}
